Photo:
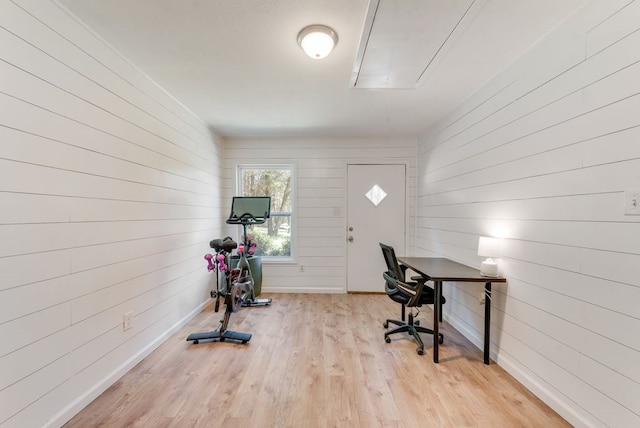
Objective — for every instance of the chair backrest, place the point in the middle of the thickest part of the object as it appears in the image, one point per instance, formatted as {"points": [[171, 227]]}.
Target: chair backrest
{"points": [[393, 267], [395, 285]]}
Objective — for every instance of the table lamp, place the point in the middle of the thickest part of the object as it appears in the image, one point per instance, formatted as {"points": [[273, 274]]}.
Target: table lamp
{"points": [[489, 247]]}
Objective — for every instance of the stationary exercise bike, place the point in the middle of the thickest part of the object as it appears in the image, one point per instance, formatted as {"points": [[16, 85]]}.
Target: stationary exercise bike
{"points": [[248, 211], [232, 293], [238, 288]]}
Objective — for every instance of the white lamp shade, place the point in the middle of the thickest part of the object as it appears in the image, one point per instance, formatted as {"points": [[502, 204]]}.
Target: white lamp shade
{"points": [[317, 41], [488, 247]]}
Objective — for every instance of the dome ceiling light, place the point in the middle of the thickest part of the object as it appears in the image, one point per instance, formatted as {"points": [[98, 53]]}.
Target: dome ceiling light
{"points": [[317, 41]]}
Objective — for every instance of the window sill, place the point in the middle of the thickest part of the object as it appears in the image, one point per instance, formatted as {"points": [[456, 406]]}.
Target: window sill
{"points": [[278, 260]]}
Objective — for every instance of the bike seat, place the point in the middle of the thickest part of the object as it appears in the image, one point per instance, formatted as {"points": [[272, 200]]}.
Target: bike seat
{"points": [[227, 244]]}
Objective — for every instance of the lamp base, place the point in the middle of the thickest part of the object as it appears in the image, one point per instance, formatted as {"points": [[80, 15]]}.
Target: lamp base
{"points": [[489, 268]]}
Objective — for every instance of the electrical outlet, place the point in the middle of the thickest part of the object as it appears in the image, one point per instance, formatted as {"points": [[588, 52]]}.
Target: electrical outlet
{"points": [[301, 267], [632, 202], [481, 298], [126, 320]]}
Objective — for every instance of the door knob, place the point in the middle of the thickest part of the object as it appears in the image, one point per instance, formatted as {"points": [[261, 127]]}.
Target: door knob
{"points": [[350, 239]]}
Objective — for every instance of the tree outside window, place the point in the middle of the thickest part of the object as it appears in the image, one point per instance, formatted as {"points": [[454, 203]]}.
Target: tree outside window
{"points": [[273, 238]]}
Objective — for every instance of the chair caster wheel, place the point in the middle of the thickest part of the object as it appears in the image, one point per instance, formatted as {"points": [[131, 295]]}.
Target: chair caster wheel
{"points": [[420, 351], [195, 342], [387, 339], [385, 324], [417, 322], [441, 339]]}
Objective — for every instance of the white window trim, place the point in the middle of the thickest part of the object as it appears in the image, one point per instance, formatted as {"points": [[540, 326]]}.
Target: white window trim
{"points": [[294, 217]]}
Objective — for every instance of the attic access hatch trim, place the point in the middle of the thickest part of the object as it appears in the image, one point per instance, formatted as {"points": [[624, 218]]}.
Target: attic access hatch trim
{"points": [[401, 42]]}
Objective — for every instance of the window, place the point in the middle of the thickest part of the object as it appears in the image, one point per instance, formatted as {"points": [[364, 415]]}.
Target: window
{"points": [[274, 237]]}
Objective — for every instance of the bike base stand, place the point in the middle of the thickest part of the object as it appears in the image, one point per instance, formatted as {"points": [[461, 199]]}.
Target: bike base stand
{"points": [[256, 302], [220, 337]]}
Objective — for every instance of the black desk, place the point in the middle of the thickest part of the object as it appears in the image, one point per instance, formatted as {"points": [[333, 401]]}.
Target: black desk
{"points": [[440, 270]]}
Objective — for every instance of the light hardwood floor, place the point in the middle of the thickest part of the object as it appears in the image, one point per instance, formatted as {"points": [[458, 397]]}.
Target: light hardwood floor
{"points": [[316, 361]]}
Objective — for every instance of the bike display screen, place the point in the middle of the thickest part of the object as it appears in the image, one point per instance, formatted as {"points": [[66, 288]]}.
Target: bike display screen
{"points": [[252, 208]]}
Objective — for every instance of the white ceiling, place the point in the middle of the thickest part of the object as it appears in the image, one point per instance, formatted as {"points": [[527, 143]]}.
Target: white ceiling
{"points": [[236, 64]]}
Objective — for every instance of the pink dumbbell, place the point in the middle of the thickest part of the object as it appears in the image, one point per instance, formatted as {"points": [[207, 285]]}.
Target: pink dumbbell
{"points": [[209, 259], [221, 265]]}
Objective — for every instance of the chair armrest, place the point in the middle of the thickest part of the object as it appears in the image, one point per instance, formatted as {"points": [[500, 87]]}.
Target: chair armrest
{"points": [[413, 291]]}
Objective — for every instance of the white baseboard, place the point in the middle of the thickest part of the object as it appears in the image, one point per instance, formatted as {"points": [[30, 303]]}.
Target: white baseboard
{"points": [[307, 290], [84, 400], [561, 406], [557, 403]]}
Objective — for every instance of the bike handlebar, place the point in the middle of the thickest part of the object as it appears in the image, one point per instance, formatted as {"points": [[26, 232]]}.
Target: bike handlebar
{"points": [[247, 218]]}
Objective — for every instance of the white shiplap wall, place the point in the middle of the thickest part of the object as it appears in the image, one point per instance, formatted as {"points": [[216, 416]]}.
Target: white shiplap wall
{"points": [[109, 193], [321, 201], [541, 156]]}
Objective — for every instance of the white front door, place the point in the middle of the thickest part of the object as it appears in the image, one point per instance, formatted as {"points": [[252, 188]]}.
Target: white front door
{"points": [[376, 202]]}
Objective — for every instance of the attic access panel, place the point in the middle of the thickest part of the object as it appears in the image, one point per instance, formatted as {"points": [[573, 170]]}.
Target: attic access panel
{"points": [[401, 39]]}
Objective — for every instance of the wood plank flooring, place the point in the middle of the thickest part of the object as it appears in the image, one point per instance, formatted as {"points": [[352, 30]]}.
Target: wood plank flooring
{"points": [[316, 361]]}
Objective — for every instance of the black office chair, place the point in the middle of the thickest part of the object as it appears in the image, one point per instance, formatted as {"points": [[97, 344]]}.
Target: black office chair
{"points": [[410, 294]]}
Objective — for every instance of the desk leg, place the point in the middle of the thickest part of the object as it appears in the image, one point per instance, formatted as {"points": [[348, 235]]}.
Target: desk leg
{"points": [[437, 308], [487, 321]]}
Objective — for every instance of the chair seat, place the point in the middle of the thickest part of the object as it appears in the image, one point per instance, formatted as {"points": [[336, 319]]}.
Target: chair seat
{"points": [[427, 297]]}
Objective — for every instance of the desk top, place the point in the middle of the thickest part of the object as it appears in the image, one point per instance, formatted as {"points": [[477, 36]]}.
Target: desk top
{"points": [[441, 269]]}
